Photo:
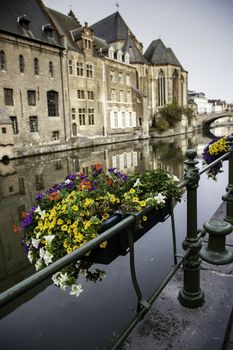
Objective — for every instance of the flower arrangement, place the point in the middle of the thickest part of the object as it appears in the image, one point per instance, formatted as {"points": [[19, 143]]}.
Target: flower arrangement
{"points": [[215, 149], [72, 213]]}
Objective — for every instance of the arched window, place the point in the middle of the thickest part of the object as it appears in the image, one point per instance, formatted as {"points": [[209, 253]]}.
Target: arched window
{"points": [[182, 90], [21, 64], [52, 101], [51, 72], [2, 60], [36, 66], [175, 88], [161, 89], [74, 129]]}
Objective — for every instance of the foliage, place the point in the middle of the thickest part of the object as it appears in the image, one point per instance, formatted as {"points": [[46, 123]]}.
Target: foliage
{"points": [[215, 149], [71, 213], [171, 114]]}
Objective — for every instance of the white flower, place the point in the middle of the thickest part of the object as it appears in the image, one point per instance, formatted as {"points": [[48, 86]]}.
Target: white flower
{"points": [[137, 182], [83, 272], [175, 178], [30, 256], [76, 290], [42, 213], [35, 242], [39, 264], [49, 238], [68, 181], [160, 198], [47, 258], [63, 280], [55, 278], [41, 253]]}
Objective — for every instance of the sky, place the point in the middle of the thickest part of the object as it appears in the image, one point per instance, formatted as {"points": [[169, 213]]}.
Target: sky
{"points": [[200, 32]]}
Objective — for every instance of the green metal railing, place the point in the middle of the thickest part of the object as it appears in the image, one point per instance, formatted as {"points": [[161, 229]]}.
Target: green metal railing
{"points": [[191, 295]]}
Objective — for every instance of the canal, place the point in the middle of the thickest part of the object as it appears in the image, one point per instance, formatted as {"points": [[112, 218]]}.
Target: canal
{"points": [[49, 318]]}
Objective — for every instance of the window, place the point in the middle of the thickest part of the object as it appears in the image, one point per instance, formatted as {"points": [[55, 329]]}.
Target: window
{"points": [[123, 120], [36, 66], [55, 135], [127, 79], [31, 97], [175, 86], [3, 130], [119, 55], [87, 44], [21, 185], [2, 60], [113, 95], [21, 64], [115, 119], [82, 116], [161, 89], [112, 76], [121, 95], [73, 113], [127, 58], [111, 53], [81, 94], [128, 96], [91, 116], [71, 67], [90, 95], [79, 69], [33, 122], [74, 129], [58, 164], [48, 29], [51, 72], [52, 101], [89, 71], [120, 78], [15, 125], [39, 182], [8, 97]]}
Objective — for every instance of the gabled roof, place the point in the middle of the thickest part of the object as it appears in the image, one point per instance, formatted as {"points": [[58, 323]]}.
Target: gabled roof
{"points": [[65, 26], [158, 54], [135, 54], [111, 28], [34, 13]]}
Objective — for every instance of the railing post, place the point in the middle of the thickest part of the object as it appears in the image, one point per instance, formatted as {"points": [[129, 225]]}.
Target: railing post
{"points": [[228, 197], [191, 295]]}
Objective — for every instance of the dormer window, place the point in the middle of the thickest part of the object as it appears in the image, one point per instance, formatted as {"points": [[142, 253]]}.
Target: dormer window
{"points": [[119, 55], [87, 44], [48, 29], [24, 21], [111, 52], [127, 56]]}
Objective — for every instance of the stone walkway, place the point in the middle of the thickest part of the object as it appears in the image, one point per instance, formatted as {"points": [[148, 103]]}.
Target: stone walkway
{"points": [[170, 326]]}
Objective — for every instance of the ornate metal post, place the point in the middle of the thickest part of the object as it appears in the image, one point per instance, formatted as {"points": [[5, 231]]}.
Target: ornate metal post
{"points": [[228, 197], [191, 295]]}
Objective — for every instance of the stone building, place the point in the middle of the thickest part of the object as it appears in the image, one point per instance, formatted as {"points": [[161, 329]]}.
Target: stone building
{"points": [[65, 85]]}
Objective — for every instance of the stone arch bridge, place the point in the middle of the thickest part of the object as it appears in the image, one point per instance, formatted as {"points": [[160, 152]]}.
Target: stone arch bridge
{"points": [[205, 121]]}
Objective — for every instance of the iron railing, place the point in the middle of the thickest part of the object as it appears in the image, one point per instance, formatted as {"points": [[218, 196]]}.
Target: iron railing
{"points": [[191, 294]]}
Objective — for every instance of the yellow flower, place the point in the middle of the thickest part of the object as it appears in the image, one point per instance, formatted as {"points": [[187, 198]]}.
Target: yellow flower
{"points": [[69, 250], [103, 244], [60, 221], [135, 199], [65, 244], [87, 224], [75, 247], [144, 218], [88, 202], [75, 208], [64, 228], [143, 203], [105, 216], [132, 190]]}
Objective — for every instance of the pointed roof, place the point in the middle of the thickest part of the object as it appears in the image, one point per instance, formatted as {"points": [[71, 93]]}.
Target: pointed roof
{"points": [[32, 12], [158, 54], [135, 54], [111, 28]]}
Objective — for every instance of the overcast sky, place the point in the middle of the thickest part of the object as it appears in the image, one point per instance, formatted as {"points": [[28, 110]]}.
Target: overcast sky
{"points": [[200, 32]]}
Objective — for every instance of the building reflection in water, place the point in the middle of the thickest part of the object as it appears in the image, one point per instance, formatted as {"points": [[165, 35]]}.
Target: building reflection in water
{"points": [[21, 179]]}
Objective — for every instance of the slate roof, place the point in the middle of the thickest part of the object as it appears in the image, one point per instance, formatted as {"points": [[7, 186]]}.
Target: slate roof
{"points": [[35, 12], [111, 28], [66, 25], [158, 54], [135, 54]]}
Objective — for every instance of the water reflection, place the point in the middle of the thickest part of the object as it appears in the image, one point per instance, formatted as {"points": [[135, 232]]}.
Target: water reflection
{"points": [[21, 179]]}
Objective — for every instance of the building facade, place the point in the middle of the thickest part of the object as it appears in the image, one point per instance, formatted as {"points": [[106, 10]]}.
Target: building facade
{"points": [[65, 85]]}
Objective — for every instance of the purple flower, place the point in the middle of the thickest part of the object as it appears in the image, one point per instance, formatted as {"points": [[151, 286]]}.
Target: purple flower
{"points": [[124, 178], [111, 170], [71, 177], [39, 196], [27, 221], [70, 185]]}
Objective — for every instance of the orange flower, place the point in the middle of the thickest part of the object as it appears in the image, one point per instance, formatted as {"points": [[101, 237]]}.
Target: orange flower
{"points": [[109, 182], [54, 196], [24, 214], [84, 184], [97, 166], [16, 229]]}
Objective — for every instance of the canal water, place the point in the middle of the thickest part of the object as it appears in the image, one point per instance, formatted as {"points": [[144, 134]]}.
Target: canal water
{"points": [[48, 318]]}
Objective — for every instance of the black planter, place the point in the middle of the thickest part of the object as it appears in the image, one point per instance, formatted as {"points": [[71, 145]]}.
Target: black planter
{"points": [[119, 244]]}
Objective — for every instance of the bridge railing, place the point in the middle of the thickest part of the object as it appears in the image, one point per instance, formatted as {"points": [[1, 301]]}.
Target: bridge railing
{"points": [[191, 295]]}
